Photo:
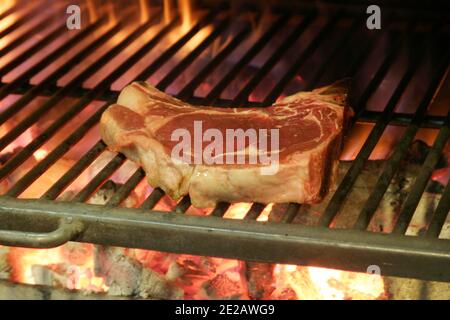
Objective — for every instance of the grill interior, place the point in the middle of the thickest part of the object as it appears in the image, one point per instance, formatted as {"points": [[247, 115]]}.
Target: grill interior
{"points": [[60, 82]]}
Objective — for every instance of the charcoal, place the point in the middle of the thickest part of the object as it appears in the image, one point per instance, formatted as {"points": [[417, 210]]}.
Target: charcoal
{"points": [[104, 194], [16, 291], [222, 287], [76, 253], [390, 205], [50, 275], [260, 279], [418, 151], [155, 285], [121, 272], [5, 268]]}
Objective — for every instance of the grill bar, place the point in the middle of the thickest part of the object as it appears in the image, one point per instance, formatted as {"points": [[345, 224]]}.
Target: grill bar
{"points": [[343, 43], [21, 21], [277, 90], [246, 58], [255, 211], [402, 147], [125, 190], [8, 113], [53, 156], [117, 161], [370, 143], [10, 11], [402, 119], [25, 36], [243, 95], [290, 213], [249, 240], [74, 172], [183, 205], [188, 90], [422, 178], [96, 181], [32, 50], [26, 76], [31, 94], [152, 199], [76, 108], [220, 209], [186, 62], [440, 214], [147, 72]]}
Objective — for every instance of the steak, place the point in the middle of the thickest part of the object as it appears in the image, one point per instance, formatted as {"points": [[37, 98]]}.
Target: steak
{"points": [[287, 152]]}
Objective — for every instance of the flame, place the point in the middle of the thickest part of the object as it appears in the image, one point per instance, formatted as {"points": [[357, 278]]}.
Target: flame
{"points": [[167, 7], [111, 13], [313, 283], [79, 275], [6, 4], [185, 9], [237, 210], [144, 11], [92, 11], [6, 21]]}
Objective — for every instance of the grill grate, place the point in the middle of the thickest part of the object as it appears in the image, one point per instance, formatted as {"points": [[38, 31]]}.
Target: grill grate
{"points": [[353, 248]]}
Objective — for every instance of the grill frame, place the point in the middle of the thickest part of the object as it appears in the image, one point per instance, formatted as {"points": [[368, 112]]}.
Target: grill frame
{"points": [[274, 242]]}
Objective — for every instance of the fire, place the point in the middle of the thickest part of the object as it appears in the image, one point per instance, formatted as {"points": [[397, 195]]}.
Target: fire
{"points": [[77, 266], [143, 8], [237, 210], [6, 4], [40, 154], [91, 10], [167, 11], [185, 9], [6, 21], [111, 13], [188, 19], [313, 283]]}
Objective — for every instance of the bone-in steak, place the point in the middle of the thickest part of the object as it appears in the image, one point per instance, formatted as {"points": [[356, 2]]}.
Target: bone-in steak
{"points": [[288, 153]]}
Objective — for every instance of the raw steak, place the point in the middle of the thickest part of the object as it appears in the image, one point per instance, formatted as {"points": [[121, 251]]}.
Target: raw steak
{"points": [[308, 125]]}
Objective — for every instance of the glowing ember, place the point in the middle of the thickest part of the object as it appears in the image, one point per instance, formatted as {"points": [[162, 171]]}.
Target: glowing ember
{"points": [[320, 283], [40, 154], [237, 210], [77, 266]]}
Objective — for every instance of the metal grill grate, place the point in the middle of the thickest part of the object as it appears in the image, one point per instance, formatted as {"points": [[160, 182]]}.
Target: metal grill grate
{"points": [[327, 48]]}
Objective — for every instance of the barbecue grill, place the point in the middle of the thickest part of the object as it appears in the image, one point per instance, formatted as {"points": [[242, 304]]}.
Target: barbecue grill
{"points": [[340, 46]]}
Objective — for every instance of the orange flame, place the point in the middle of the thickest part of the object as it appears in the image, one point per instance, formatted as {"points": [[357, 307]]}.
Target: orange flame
{"points": [[79, 274], [167, 11], [144, 11], [6, 4], [92, 11], [185, 8]]}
